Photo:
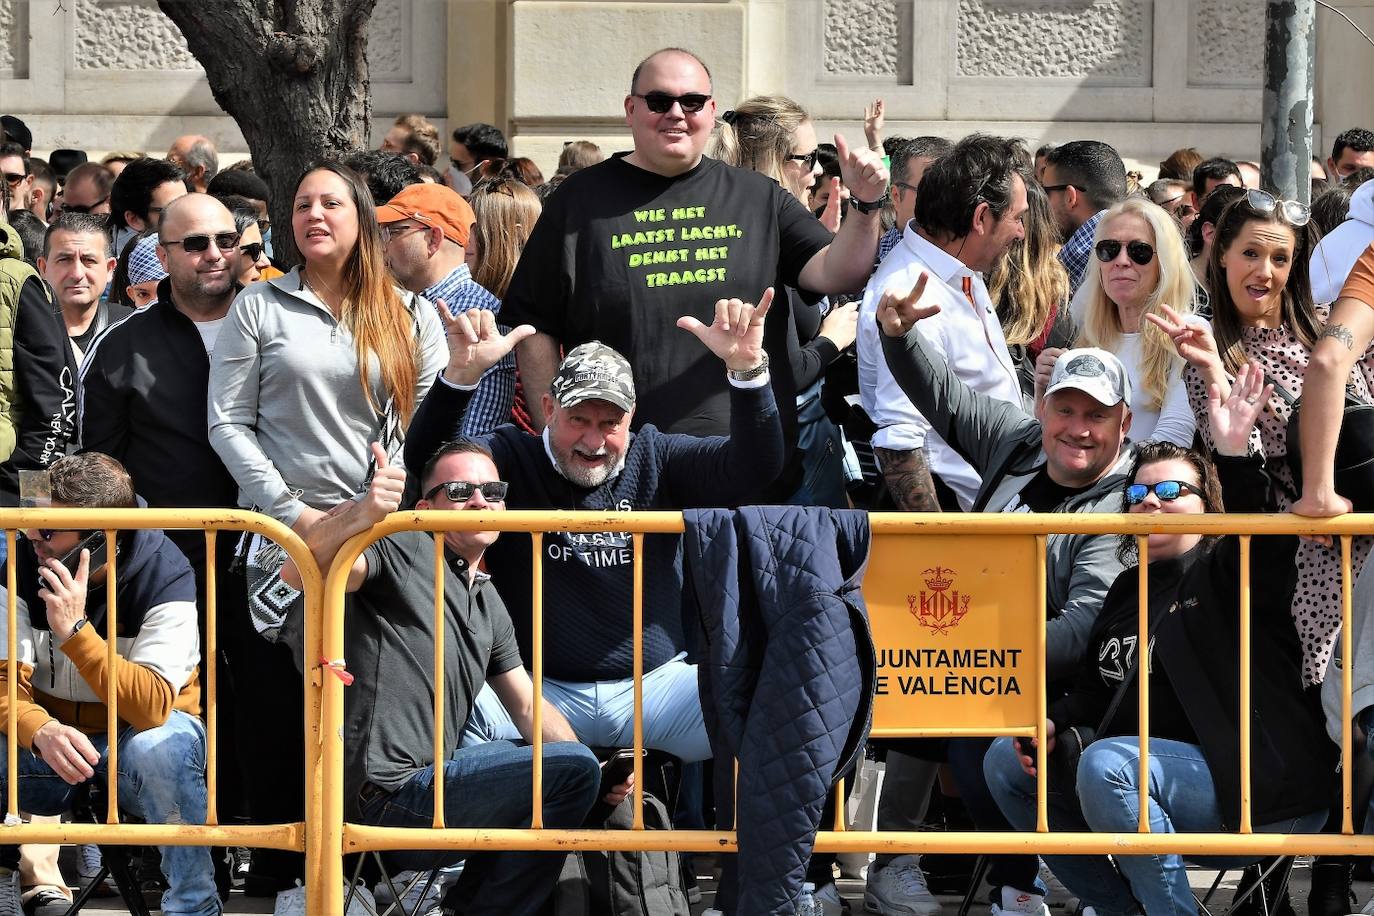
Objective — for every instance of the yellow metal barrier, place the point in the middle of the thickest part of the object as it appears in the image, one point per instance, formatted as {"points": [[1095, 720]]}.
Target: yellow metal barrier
{"points": [[272, 836], [335, 836]]}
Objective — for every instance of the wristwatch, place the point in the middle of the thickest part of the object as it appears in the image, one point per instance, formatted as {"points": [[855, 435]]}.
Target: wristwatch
{"points": [[76, 627], [865, 206], [748, 375]]}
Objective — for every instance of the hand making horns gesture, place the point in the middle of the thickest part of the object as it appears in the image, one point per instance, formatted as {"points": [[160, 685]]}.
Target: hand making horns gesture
{"points": [[736, 333]]}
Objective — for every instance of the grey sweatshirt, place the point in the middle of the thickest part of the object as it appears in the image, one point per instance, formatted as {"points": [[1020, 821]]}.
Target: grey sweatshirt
{"points": [[287, 415], [1003, 444]]}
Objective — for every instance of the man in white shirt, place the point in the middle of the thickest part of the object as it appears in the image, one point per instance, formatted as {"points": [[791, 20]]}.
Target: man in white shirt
{"points": [[968, 214]]}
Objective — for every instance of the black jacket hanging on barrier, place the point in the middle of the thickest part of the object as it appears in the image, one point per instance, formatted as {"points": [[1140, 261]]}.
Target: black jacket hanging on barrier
{"points": [[786, 678]]}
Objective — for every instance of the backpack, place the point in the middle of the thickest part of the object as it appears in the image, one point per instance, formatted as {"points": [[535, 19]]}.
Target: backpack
{"points": [[596, 883]]}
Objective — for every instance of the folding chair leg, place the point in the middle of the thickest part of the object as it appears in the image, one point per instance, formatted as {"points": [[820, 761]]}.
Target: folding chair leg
{"points": [[980, 871]]}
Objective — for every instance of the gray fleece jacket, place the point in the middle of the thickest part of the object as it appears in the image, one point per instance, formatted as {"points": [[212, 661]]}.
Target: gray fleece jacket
{"points": [[1003, 444]]}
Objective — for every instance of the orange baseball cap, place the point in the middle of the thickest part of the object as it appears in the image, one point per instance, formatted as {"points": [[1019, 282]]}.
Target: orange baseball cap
{"points": [[433, 205]]}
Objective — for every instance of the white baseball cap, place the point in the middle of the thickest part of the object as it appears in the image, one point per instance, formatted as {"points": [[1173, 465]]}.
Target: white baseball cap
{"points": [[1096, 372]]}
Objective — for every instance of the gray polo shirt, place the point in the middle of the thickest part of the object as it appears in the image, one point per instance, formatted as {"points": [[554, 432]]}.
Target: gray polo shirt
{"points": [[389, 648]]}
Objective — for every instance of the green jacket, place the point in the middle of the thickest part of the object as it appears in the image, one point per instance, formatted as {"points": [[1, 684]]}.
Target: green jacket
{"points": [[14, 270]]}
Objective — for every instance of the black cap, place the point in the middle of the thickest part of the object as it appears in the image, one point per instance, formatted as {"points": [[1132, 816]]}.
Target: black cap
{"points": [[64, 160], [17, 131]]}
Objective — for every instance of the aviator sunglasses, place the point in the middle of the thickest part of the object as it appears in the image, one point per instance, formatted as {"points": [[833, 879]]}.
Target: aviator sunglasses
{"points": [[1140, 252], [1166, 491], [193, 244], [460, 491], [1297, 214], [662, 102]]}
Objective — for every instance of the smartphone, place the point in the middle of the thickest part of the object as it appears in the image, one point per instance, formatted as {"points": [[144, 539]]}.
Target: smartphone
{"points": [[95, 543], [617, 769]]}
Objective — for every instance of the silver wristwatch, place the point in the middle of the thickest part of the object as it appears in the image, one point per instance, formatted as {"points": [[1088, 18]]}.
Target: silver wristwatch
{"points": [[748, 375]]}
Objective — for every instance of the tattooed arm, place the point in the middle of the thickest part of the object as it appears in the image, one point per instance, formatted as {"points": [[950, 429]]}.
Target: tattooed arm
{"points": [[908, 479], [1347, 336]]}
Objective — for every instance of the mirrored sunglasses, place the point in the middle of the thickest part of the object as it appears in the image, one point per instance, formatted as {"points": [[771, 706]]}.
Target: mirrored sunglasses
{"points": [[1166, 491], [1296, 214], [460, 491]]}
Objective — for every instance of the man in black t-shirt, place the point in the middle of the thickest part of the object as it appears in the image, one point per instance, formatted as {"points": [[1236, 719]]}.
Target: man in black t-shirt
{"points": [[626, 247]]}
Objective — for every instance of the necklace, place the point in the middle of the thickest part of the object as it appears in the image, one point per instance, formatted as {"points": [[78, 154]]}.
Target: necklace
{"points": [[305, 279]]}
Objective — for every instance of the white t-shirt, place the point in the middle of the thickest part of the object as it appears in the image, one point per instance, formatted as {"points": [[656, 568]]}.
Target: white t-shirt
{"points": [[209, 333]]}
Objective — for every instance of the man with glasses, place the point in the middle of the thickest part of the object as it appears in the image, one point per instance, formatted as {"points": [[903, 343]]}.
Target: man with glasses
{"points": [[425, 232], [62, 629], [1083, 179], [909, 164], [626, 246], [77, 264], [87, 189], [588, 458], [18, 175], [389, 641]]}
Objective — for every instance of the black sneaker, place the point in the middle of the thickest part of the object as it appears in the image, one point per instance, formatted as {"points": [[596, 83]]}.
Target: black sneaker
{"points": [[48, 901]]}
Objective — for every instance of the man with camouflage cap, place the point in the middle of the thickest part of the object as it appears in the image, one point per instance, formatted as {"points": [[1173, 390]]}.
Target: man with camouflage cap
{"points": [[587, 458]]}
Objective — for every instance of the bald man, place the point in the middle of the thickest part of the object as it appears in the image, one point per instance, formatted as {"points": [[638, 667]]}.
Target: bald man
{"points": [[627, 246], [144, 389], [197, 157]]}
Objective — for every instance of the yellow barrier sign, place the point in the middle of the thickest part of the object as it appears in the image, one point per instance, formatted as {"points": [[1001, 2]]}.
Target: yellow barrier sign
{"points": [[955, 620]]}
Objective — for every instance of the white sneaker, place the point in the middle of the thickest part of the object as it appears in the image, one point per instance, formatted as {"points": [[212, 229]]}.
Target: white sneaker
{"points": [[1014, 901], [827, 901], [292, 902], [1368, 908], [411, 884], [899, 889]]}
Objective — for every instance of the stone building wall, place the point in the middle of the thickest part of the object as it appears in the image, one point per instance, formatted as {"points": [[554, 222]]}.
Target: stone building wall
{"points": [[1147, 75]]}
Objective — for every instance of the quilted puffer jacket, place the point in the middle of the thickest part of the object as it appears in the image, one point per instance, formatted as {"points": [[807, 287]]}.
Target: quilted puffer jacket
{"points": [[786, 679]]}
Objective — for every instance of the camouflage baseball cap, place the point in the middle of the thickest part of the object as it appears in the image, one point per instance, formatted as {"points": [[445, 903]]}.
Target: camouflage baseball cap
{"points": [[593, 371]]}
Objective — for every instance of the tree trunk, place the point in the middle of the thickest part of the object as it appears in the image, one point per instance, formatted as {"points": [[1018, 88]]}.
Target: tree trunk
{"points": [[293, 75]]}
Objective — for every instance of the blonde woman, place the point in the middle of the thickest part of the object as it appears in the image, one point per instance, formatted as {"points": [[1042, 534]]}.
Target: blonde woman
{"points": [[1141, 267], [506, 210]]}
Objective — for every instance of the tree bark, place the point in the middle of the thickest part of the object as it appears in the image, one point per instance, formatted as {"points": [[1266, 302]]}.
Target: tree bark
{"points": [[293, 75]]}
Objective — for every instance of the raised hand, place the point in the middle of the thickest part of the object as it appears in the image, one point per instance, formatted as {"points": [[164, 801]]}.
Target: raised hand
{"points": [[830, 216], [1193, 341], [474, 343], [862, 170], [898, 313], [64, 594], [1044, 368], [736, 333], [1232, 417], [873, 124], [386, 490]]}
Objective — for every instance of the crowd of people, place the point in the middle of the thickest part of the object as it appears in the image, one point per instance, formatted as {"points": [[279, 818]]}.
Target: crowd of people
{"points": [[911, 323]]}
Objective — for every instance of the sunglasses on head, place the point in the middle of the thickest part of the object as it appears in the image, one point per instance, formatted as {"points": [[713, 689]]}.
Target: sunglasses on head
{"points": [[252, 249], [662, 102], [1166, 491], [808, 160], [1140, 252], [83, 208], [224, 241], [1297, 214], [460, 491]]}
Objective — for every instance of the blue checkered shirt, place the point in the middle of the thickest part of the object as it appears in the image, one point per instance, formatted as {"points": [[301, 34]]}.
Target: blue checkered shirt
{"points": [[1078, 250], [491, 402], [888, 242]]}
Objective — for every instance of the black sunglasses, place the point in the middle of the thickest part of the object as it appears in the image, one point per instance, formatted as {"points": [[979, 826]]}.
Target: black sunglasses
{"points": [[662, 102], [224, 241], [13, 179], [808, 160], [79, 208], [1165, 490], [1059, 187], [47, 534], [460, 491], [1297, 214], [1140, 252], [252, 249]]}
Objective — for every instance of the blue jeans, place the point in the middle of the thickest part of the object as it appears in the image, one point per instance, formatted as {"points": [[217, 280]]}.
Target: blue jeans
{"points": [[966, 762], [601, 713], [1182, 800], [161, 780], [490, 785]]}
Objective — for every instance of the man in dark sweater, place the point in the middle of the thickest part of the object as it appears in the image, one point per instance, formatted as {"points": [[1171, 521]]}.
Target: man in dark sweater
{"points": [[587, 458]]}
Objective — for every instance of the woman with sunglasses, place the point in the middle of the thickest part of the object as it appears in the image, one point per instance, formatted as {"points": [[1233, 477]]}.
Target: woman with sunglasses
{"points": [[253, 263], [1194, 683], [1141, 266], [1263, 314], [774, 136]]}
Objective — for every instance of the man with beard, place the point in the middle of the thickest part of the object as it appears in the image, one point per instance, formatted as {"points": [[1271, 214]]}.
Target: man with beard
{"points": [[587, 458]]}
